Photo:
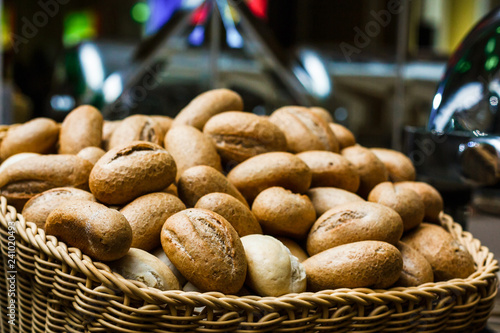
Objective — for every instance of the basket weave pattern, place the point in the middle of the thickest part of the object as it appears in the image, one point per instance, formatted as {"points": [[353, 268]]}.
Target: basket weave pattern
{"points": [[59, 289]]}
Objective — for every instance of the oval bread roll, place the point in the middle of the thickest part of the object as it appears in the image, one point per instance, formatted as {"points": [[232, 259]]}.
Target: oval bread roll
{"points": [[81, 128]]}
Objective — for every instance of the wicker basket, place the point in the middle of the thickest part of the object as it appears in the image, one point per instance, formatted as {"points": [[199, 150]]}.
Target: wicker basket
{"points": [[59, 289]]}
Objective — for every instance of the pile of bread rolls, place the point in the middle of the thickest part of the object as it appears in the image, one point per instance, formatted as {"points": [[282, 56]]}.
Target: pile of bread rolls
{"points": [[219, 199]]}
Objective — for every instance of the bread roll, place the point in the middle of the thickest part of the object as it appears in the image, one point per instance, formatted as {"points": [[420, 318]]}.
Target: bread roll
{"points": [[272, 269], [304, 130], [405, 202], [323, 113], [16, 158], [136, 128], [91, 154], [160, 254], [146, 268], [129, 171], [370, 169], [108, 127], [416, 269], [201, 180], [100, 232], [207, 105], [146, 215], [354, 222], [233, 210], [433, 201], [206, 249], [398, 165], [38, 135], [366, 264], [448, 258], [271, 169], [38, 208], [189, 147], [326, 198], [241, 135], [331, 170], [343, 134], [283, 213], [81, 128]]}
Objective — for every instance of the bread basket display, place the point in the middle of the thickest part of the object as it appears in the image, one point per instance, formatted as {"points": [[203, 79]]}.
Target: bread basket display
{"points": [[75, 260]]}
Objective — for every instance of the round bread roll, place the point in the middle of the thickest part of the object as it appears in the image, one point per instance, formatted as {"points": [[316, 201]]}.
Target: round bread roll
{"points": [[343, 135], [160, 254], [233, 210], [326, 198], [294, 248], [91, 154], [144, 267], [201, 180], [448, 258], [136, 128], [16, 158], [206, 249], [19, 182], [241, 135], [38, 135], [405, 202], [330, 170], [433, 202], [81, 128], [370, 169], [366, 264], [146, 215], [190, 147], [304, 130], [38, 208], [322, 113], [398, 165], [272, 269], [129, 171], [207, 105], [270, 169], [283, 213], [416, 269], [354, 222], [100, 232]]}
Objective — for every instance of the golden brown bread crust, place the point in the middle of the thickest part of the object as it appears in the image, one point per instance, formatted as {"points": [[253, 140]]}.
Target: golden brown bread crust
{"points": [[343, 134], [270, 169], [100, 232], [144, 267], [38, 135], [330, 170], [131, 170], [433, 201], [190, 147], [283, 213], [206, 249], [22, 181], [136, 128], [108, 127], [81, 128], [407, 203], [416, 269], [91, 154], [38, 208], [207, 105], [398, 165], [354, 222], [241, 135], [294, 248], [371, 264], [304, 130], [233, 210], [322, 113], [370, 169], [165, 122], [448, 258], [146, 215], [326, 198], [200, 180]]}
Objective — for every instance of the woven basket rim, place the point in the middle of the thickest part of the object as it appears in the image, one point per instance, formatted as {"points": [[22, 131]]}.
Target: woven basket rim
{"points": [[487, 266]]}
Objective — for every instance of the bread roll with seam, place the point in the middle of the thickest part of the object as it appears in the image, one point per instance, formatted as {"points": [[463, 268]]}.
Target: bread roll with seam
{"points": [[326, 198], [399, 166], [136, 128], [432, 199], [272, 269], [206, 249]]}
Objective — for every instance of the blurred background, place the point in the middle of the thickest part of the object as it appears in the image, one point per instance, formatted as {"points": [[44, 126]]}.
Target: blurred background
{"points": [[375, 65]]}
